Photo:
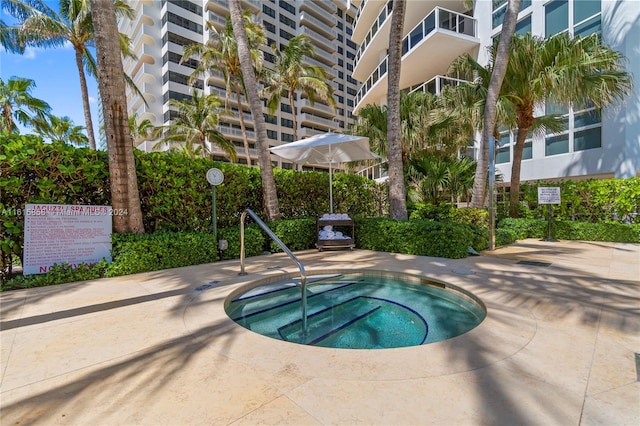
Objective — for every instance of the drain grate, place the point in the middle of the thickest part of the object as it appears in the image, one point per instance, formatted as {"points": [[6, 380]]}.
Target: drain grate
{"points": [[533, 263], [206, 286], [638, 367]]}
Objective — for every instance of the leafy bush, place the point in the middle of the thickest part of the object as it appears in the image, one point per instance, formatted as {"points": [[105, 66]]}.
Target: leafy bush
{"points": [[253, 241], [470, 216], [133, 253], [296, 234], [572, 230], [439, 213], [419, 237], [590, 200], [59, 274]]}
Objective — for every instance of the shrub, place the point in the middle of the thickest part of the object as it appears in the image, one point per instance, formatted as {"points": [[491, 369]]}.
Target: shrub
{"points": [[133, 253], [571, 230], [59, 274], [296, 234], [253, 241], [419, 237]]}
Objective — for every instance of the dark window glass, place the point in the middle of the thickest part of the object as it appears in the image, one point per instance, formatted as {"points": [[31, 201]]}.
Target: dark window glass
{"points": [[555, 145], [556, 17], [587, 139]]}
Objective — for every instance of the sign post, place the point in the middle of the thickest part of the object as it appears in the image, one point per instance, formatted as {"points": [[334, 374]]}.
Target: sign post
{"points": [[215, 178], [549, 195], [492, 184]]}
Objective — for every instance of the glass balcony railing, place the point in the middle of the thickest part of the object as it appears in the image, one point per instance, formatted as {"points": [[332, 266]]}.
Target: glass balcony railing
{"points": [[438, 19], [377, 24], [436, 84]]}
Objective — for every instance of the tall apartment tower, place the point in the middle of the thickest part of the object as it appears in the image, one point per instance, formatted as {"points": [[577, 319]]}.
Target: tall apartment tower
{"points": [[161, 29], [437, 32]]}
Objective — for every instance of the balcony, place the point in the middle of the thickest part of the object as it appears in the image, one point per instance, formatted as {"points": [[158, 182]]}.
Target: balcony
{"points": [[436, 84], [367, 13], [317, 25], [316, 121], [318, 11], [442, 36], [318, 39], [236, 133], [305, 105], [331, 72], [380, 25]]}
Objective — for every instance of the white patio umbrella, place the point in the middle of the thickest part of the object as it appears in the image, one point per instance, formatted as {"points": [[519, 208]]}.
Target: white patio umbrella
{"points": [[326, 148]]}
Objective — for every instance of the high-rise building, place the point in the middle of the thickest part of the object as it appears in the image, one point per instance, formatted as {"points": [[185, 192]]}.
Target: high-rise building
{"points": [[161, 29], [437, 32]]}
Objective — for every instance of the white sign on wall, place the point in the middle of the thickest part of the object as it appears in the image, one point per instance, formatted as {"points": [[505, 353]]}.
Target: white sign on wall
{"points": [[63, 233], [548, 195]]}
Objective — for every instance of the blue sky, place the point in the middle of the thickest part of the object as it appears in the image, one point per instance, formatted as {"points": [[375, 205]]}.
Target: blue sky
{"points": [[56, 76]]}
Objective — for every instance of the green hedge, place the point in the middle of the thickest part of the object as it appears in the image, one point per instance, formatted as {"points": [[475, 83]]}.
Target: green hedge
{"points": [[590, 200], [134, 253], [419, 237], [571, 230], [174, 193], [296, 234]]}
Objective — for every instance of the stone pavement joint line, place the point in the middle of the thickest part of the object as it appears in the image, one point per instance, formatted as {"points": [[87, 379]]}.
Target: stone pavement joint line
{"points": [[559, 346]]}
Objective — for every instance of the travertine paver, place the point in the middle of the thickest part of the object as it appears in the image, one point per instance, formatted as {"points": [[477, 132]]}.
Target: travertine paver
{"points": [[557, 347]]}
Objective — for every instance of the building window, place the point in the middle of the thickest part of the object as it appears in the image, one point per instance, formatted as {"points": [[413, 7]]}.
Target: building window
{"points": [[269, 57], [174, 95], [527, 152], [500, 8], [175, 38], [183, 22], [524, 26], [288, 7], [175, 58], [583, 9], [272, 119], [285, 108], [287, 21], [286, 123], [285, 35], [272, 134], [555, 145], [187, 5], [556, 17], [340, 50], [268, 11], [269, 27], [339, 24], [587, 139], [286, 137], [503, 153]]}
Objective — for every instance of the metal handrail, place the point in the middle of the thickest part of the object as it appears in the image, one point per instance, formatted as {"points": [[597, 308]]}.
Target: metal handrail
{"points": [[274, 237]]}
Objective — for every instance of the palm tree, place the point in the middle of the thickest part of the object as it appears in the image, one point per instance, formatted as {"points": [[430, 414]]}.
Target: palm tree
{"points": [[290, 73], [490, 112], [221, 54], [61, 129], [397, 192], [125, 199], [18, 105], [140, 131], [266, 169], [195, 125], [563, 70], [41, 26]]}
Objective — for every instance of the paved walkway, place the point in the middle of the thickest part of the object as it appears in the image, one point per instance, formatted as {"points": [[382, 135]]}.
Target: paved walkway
{"points": [[558, 347]]}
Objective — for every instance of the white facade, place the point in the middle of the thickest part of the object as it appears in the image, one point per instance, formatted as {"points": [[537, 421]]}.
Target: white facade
{"points": [[162, 29], [590, 147]]}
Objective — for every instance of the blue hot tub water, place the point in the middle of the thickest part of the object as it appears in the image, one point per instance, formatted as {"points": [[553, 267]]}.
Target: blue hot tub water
{"points": [[357, 311]]}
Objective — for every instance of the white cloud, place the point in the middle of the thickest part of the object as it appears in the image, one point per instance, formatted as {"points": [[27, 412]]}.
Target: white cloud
{"points": [[29, 53], [92, 100]]}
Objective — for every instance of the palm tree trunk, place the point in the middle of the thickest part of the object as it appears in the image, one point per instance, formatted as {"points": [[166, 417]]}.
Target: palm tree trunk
{"points": [[490, 107], [397, 193], [125, 199], [266, 169], [514, 192], [243, 128], [85, 98], [292, 102]]}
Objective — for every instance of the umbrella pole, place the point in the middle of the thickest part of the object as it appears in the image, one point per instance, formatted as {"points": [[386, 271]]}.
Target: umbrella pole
{"points": [[330, 190]]}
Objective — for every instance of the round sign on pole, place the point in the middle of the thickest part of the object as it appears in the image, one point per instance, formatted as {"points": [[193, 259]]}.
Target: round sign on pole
{"points": [[215, 176]]}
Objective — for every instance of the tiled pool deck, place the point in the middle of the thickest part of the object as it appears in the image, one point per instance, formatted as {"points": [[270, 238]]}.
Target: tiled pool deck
{"points": [[558, 347]]}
